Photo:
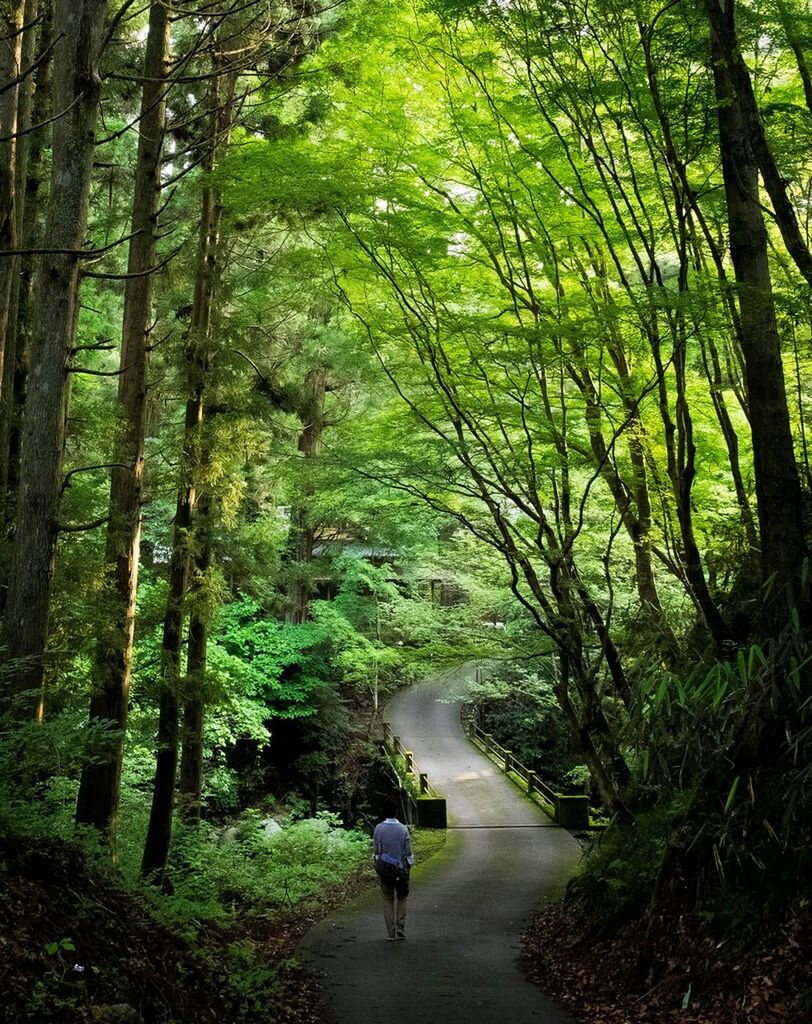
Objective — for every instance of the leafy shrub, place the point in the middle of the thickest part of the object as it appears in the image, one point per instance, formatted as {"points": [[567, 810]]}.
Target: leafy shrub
{"points": [[520, 710], [217, 872], [616, 877]]}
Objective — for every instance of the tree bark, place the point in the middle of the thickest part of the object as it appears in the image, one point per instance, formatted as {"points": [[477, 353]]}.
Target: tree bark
{"points": [[738, 88], [302, 533], [79, 24], [11, 49], [796, 44], [190, 786], [594, 740], [159, 830], [198, 359], [99, 788], [778, 490], [31, 109]]}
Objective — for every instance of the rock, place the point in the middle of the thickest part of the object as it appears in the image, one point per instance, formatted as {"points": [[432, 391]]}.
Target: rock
{"points": [[270, 827]]}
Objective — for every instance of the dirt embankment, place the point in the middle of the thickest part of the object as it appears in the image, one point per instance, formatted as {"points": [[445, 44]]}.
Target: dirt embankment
{"points": [[76, 948], [697, 977]]}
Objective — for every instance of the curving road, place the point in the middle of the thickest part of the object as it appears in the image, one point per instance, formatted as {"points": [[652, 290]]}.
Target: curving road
{"points": [[468, 904]]}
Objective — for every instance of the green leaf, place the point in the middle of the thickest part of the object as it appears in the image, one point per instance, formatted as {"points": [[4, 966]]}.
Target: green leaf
{"points": [[731, 796]]}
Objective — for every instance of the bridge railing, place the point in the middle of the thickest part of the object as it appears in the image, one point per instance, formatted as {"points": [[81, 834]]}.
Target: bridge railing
{"points": [[571, 811], [424, 806]]}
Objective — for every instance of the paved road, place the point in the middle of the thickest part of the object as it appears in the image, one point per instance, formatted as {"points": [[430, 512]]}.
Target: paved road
{"points": [[468, 904]]}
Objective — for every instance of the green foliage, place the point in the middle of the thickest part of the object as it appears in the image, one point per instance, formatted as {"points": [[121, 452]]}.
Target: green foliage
{"points": [[703, 733], [617, 875], [254, 981], [283, 664], [65, 945], [519, 708], [220, 873]]}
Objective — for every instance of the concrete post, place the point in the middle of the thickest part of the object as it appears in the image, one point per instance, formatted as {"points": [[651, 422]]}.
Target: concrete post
{"points": [[508, 760], [572, 811], [424, 782]]}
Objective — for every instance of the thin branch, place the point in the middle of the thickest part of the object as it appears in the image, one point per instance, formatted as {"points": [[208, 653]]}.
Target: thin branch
{"points": [[98, 373], [81, 254], [141, 273], [90, 469], [157, 344], [82, 527], [99, 346], [43, 124], [21, 30], [251, 363], [116, 21], [31, 67]]}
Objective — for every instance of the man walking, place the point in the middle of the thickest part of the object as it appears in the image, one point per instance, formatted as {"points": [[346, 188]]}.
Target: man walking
{"points": [[393, 861]]}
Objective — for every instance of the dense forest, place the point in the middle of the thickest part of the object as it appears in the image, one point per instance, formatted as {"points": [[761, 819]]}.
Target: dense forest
{"points": [[342, 341]]}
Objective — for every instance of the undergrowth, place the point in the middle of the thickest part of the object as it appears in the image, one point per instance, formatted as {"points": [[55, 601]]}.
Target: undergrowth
{"points": [[226, 916]]}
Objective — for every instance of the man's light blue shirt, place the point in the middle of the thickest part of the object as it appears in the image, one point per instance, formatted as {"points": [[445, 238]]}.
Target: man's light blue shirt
{"points": [[392, 837]]}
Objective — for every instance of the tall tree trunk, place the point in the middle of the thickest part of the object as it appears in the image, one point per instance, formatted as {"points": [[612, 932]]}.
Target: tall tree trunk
{"points": [[198, 358], [28, 166], [680, 460], [12, 13], [99, 788], [159, 831], [592, 733], [630, 492], [796, 44], [302, 533], [691, 221], [79, 25], [190, 786], [778, 490], [733, 78], [713, 372]]}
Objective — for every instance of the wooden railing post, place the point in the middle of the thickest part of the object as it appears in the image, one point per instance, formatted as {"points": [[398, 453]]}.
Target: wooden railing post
{"points": [[425, 807], [569, 811]]}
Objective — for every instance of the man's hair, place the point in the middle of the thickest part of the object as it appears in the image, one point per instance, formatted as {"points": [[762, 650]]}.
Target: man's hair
{"points": [[390, 808]]}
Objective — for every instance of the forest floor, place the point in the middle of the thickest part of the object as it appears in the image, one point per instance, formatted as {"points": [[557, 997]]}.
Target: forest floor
{"points": [[700, 978], [77, 948]]}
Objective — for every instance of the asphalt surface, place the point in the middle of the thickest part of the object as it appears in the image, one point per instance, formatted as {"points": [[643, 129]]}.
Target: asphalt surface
{"points": [[468, 904]]}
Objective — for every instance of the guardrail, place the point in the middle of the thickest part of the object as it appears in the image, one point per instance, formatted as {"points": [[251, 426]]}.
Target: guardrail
{"points": [[426, 808], [570, 811]]}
